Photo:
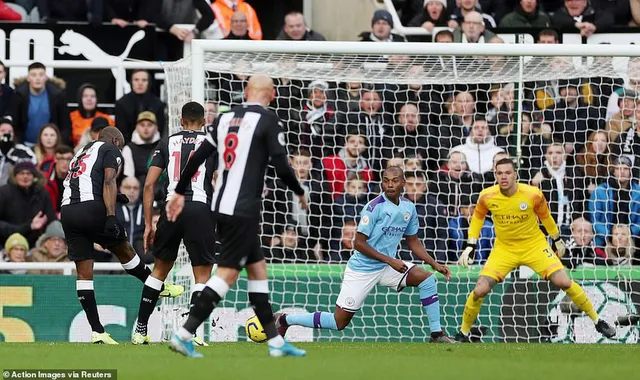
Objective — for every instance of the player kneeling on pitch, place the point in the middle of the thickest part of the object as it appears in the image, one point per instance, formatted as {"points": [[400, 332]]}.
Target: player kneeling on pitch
{"points": [[384, 222], [516, 208]]}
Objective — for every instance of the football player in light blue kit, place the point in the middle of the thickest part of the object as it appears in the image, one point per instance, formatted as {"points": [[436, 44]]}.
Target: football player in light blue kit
{"points": [[383, 223]]}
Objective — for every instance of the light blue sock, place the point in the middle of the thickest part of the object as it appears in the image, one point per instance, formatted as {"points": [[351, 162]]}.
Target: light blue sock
{"points": [[429, 297], [317, 320]]}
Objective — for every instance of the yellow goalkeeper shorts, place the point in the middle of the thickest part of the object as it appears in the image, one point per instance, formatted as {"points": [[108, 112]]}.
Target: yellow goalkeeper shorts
{"points": [[538, 256]]}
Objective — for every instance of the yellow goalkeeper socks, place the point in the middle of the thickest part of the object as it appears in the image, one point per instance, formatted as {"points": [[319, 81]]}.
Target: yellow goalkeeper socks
{"points": [[471, 311], [579, 297]]}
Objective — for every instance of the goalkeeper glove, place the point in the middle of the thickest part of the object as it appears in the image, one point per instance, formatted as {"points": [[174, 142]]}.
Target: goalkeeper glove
{"points": [[558, 245], [468, 254]]}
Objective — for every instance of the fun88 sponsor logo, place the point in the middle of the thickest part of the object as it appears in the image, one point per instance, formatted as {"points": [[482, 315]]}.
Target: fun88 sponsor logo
{"points": [[394, 231]]}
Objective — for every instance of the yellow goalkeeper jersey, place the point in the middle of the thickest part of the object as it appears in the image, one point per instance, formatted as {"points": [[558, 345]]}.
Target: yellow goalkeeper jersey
{"points": [[516, 217]]}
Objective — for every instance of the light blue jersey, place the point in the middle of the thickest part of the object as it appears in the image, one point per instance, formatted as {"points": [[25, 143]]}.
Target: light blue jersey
{"points": [[385, 223]]}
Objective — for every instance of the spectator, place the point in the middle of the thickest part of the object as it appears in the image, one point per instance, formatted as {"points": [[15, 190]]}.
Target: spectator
{"points": [[10, 152], [562, 186], [98, 124], [580, 15], [15, 251], [619, 9], [548, 36], [479, 148], [139, 150], [594, 160], [581, 247], [6, 92], [140, 99], [342, 248], [459, 232], [287, 247], [443, 36], [38, 101], [628, 144], [50, 248], [381, 25], [139, 12], [409, 132], [347, 97], [433, 14], [210, 112], [55, 175], [349, 159], [453, 129], [313, 128], [616, 201], [131, 217], [239, 27], [224, 10], [231, 85], [25, 206], [295, 29], [45, 149], [52, 11], [176, 12], [466, 8], [527, 14], [625, 118], [620, 247], [473, 30], [350, 203], [432, 215], [87, 111], [413, 162], [453, 181], [572, 118]]}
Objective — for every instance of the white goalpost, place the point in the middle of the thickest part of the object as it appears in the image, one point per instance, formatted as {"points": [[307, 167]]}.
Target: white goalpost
{"points": [[417, 104]]}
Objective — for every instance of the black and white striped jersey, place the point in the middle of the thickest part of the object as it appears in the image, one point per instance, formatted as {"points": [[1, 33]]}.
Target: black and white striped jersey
{"points": [[85, 180], [172, 155]]}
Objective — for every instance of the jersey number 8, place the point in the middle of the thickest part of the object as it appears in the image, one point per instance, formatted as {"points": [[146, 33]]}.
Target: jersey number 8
{"points": [[229, 154]]}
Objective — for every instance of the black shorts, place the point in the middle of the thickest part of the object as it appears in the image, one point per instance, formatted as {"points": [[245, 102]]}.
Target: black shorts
{"points": [[83, 225], [194, 226], [239, 241]]}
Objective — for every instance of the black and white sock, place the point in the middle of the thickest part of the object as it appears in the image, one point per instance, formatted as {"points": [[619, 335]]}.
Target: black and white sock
{"points": [[148, 300], [259, 298], [87, 298], [197, 289], [137, 269], [210, 296]]}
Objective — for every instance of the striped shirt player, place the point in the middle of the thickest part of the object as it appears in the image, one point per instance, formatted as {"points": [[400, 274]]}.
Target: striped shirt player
{"points": [[195, 224], [245, 139]]}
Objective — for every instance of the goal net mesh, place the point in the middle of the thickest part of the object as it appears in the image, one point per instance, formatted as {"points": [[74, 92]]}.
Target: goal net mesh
{"points": [[445, 120]]}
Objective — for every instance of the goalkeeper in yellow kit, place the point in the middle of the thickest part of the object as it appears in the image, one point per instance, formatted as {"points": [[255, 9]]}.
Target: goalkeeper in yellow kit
{"points": [[516, 209]]}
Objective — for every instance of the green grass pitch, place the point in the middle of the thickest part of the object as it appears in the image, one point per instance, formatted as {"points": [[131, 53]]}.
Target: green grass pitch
{"points": [[336, 361]]}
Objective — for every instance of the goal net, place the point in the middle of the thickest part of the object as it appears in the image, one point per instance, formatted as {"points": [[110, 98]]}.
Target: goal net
{"points": [[445, 118]]}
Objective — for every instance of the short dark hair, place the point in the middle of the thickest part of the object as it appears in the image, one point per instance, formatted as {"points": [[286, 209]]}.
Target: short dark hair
{"points": [[443, 32], [478, 117], [192, 112], [134, 72], [36, 65], [301, 152], [506, 161], [549, 32], [64, 149], [416, 174], [396, 169]]}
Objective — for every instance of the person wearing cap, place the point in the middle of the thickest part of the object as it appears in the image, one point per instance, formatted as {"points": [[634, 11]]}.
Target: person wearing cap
{"points": [[10, 152], [82, 118], [141, 147], [16, 249], [50, 248], [25, 206], [459, 230], [616, 201], [91, 134], [433, 14], [526, 14], [139, 99], [56, 174], [315, 129], [459, 15], [625, 118], [381, 25]]}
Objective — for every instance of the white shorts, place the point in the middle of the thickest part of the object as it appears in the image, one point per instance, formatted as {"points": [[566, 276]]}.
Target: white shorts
{"points": [[356, 286]]}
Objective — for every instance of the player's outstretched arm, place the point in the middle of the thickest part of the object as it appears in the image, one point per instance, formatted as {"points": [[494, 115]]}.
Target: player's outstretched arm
{"points": [[416, 246], [363, 247], [285, 173]]}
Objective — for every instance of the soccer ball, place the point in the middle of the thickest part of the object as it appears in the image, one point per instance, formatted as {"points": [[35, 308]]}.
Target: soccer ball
{"points": [[254, 330]]}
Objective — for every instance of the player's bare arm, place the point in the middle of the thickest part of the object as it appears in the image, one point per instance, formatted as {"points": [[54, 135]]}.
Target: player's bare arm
{"points": [[416, 246], [150, 182], [110, 191], [363, 247]]}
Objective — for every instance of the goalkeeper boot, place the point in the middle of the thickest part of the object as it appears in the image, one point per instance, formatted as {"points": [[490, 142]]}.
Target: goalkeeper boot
{"points": [[184, 347], [605, 329], [440, 337], [139, 339], [102, 338], [199, 342], [287, 349], [281, 323], [462, 338], [172, 290]]}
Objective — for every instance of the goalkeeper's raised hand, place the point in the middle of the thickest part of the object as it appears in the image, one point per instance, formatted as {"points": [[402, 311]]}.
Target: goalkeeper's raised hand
{"points": [[468, 254], [558, 245]]}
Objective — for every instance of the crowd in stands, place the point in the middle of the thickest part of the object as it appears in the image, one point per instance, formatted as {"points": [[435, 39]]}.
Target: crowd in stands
{"points": [[580, 138]]}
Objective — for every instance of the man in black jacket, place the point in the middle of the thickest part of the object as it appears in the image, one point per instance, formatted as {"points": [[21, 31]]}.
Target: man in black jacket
{"points": [[381, 25], [138, 100], [295, 29], [578, 14], [10, 152], [25, 206]]}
